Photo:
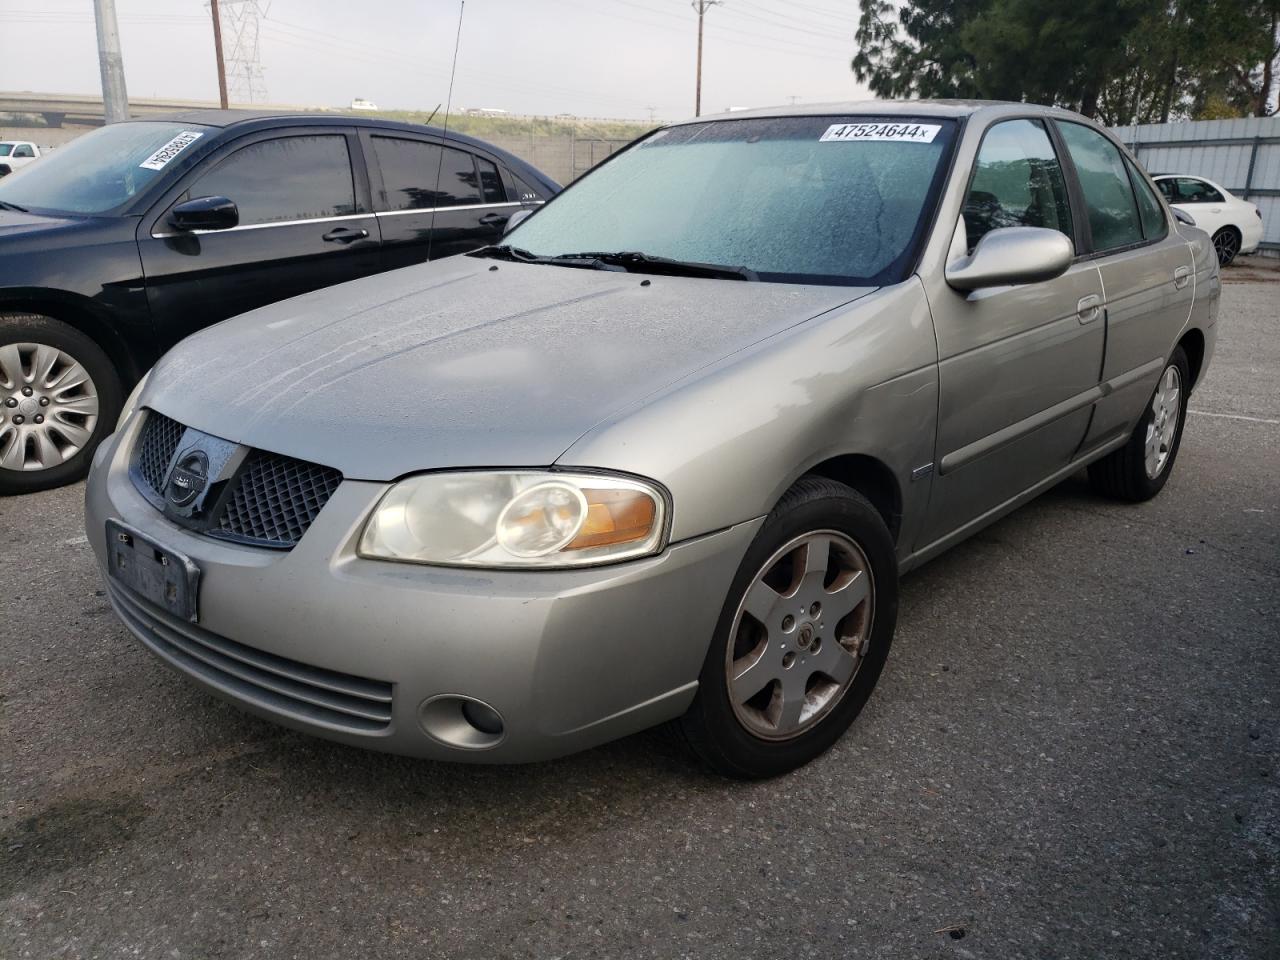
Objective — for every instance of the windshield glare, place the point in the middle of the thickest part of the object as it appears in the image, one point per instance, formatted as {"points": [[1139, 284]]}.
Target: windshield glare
{"points": [[769, 194], [101, 170]]}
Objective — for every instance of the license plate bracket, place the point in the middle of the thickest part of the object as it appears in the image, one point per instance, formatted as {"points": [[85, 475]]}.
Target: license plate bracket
{"points": [[162, 576]]}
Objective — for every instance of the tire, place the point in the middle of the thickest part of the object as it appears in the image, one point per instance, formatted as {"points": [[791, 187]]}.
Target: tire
{"points": [[1226, 244], [1126, 474], [732, 732], [75, 402]]}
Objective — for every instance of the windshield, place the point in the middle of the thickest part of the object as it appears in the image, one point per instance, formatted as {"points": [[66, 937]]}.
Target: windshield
{"points": [[792, 199], [101, 170]]}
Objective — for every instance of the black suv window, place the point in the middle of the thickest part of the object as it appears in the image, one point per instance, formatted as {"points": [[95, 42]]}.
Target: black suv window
{"points": [[1017, 182], [292, 178], [1197, 191], [490, 182], [409, 172], [1113, 212]]}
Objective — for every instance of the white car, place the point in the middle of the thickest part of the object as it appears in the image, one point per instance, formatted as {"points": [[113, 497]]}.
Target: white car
{"points": [[1234, 224], [15, 154]]}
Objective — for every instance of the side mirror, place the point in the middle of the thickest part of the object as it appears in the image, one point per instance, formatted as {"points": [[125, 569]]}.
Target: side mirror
{"points": [[205, 213], [517, 218], [1183, 217], [1011, 255]]}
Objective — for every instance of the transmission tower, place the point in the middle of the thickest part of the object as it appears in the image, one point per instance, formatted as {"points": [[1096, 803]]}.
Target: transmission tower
{"points": [[240, 23]]}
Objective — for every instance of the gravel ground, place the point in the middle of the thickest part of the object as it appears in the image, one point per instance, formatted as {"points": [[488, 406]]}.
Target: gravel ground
{"points": [[1073, 753]]}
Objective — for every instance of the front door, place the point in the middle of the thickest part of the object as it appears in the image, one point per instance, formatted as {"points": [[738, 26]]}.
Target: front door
{"points": [[302, 226], [1018, 365]]}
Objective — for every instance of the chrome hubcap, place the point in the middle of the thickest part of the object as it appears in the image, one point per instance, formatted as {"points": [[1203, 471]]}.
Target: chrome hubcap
{"points": [[800, 634], [1165, 409], [48, 406]]}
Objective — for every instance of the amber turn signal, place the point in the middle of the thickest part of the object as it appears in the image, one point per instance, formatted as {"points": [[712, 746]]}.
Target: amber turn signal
{"points": [[614, 516]]}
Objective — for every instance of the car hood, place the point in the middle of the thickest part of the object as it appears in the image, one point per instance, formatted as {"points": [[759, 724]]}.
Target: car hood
{"points": [[462, 363], [14, 223]]}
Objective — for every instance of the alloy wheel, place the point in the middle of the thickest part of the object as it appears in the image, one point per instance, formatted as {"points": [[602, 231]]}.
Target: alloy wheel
{"points": [[800, 635], [48, 406], [1166, 408], [1227, 245]]}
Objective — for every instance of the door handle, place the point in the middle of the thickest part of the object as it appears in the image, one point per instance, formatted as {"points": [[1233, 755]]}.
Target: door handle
{"points": [[1088, 307], [495, 219], [344, 235], [1180, 277]]}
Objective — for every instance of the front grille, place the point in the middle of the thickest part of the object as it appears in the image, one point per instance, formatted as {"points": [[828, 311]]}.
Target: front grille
{"points": [[297, 690], [271, 501], [276, 498], [156, 446]]}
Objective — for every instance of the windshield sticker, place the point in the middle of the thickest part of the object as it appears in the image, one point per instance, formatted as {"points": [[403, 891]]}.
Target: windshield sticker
{"points": [[170, 150], [905, 132]]}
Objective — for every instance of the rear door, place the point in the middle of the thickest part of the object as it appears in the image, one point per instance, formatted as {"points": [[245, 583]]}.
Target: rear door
{"points": [[1146, 276], [1018, 365], [305, 223], [433, 200]]}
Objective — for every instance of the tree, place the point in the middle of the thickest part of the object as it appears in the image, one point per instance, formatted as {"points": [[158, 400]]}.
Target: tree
{"points": [[1122, 61]]}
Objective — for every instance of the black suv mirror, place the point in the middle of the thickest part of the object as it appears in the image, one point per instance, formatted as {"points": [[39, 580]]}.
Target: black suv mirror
{"points": [[205, 213]]}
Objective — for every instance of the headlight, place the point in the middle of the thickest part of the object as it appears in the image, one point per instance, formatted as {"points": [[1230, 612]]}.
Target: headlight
{"points": [[131, 404], [514, 518]]}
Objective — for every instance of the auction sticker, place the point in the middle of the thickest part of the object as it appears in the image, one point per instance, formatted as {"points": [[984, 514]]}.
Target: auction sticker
{"points": [[170, 150], [903, 132]]}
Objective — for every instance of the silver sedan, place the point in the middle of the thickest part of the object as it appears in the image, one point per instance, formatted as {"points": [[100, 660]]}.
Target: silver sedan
{"points": [[663, 454]]}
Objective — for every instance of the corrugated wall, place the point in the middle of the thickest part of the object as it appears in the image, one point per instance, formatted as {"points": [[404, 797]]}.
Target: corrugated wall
{"points": [[1243, 155]]}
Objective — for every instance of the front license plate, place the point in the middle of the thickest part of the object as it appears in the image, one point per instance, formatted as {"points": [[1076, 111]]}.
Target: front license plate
{"points": [[166, 578]]}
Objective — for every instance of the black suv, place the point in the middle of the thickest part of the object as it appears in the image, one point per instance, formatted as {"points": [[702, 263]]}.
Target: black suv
{"points": [[118, 245]]}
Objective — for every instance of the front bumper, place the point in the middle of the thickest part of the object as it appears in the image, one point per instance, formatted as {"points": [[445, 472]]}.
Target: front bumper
{"points": [[323, 641]]}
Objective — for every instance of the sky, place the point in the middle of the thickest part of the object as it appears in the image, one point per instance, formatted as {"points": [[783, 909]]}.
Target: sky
{"points": [[590, 58]]}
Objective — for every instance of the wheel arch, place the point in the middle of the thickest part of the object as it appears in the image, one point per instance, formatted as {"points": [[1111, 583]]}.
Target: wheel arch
{"points": [[872, 478], [80, 313], [1193, 345]]}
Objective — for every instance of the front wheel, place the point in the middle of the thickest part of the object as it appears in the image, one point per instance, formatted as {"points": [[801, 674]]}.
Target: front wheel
{"points": [[1140, 469], [802, 637], [59, 398]]}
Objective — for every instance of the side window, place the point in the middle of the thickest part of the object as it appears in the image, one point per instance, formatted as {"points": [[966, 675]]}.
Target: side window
{"points": [[490, 182], [527, 193], [24, 151], [1017, 182], [1167, 188], [1113, 212], [1150, 212], [409, 174], [292, 178], [459, 184], [1197, 191]]}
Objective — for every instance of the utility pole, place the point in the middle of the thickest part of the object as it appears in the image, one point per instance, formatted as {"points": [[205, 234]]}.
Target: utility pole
{"points": [[702, 6], [653, 113], [115, 98], [217, 49]]}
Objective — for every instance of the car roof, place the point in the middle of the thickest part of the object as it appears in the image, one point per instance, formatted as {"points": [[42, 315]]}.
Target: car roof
{"points": [[956, 109], [247, 121]]}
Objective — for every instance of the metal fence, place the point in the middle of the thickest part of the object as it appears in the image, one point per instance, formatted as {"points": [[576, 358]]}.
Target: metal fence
{"points": [[1243, 155]]}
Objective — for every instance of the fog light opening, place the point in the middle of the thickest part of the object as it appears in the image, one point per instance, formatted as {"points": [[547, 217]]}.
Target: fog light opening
{"points": [[483, 717], [462, 722]]}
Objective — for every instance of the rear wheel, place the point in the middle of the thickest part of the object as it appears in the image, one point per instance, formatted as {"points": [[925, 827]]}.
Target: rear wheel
{"points": [[59, 397], [1140, 469], [1226, 243], [802, 637]]}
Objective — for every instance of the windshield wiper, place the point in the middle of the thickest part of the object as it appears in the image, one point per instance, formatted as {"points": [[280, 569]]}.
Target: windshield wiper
{"points": [[503, 251], [634, 261], [6, 205]]}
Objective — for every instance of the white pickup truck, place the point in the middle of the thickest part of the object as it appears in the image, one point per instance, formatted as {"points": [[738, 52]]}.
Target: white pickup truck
{"points": [[15, 154]]}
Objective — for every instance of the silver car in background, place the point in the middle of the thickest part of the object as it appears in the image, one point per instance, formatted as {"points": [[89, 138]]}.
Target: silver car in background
{"points": [[664, 453]]}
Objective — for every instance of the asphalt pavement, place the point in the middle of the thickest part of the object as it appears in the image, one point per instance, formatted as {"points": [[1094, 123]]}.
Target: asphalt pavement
{"points": [[1073, 753]]}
